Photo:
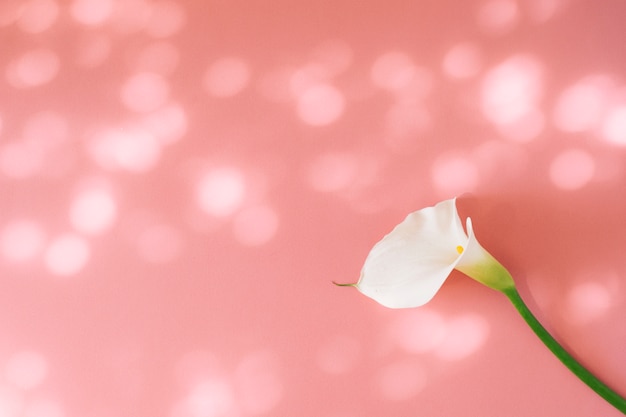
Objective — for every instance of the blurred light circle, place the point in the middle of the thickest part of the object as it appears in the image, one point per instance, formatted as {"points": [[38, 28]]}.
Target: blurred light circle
{"points": [[525, 128], [393, 71], [160, 57], [334, 55], [408, 119], [21, 160], [572, 169], [91, 12], [93, 211], [220, 191], [67, 255], [512, 89], [167, 124], [33, 68], [43, 407], [587, 302], [26, 369], [338, 355], [333, 171], [92, 50], [159, 243], [226, 77], [38, 15], [466, 335], [498, 16], [462, 61], [165, 19], [144, 92], [21, 240], [259, 387], [454, 174], [211, 397], [401, 380], [130, 148], [320, 105], [255, 226], [11, 402], [580, 106], [614, 126], [418, 331], [46, 129]]}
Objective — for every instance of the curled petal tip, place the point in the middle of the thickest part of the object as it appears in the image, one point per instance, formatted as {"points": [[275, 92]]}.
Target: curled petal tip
{"points": [[352, 284]]}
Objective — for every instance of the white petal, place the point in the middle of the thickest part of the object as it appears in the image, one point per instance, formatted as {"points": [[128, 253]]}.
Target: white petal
{"points": [[409, 265]]}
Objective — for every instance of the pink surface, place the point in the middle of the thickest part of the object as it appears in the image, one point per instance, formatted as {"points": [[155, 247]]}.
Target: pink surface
{"points": [[181, 181]]}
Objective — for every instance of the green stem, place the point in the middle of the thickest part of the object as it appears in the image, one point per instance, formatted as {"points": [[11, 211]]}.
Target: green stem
{"points": [[568, 360]]}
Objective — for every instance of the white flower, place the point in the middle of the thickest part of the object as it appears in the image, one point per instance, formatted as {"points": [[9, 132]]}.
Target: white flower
{"points": [[409, 265]]}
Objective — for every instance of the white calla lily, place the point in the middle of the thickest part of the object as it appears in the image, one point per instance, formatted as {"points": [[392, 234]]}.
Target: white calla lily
{"points": [[409, 265]]}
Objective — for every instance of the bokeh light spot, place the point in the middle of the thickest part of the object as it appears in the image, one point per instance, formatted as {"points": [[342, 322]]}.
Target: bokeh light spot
{"points": [[211, 397], [131, 149], [221, 191], [21, 160], [168, 124], [259, 386], [393, 71], [159, 243], [11, 402], [401, 380], [46, 129], [26, 370], [335, 56], [462, 61], [498, 16], [587, 302], [38, 15], [93, 50], [333, 171], [33, 69], [21, 240], [466, 335], [159, 57], [525, 128], [339, 354], [512, 90], [93, 211], [67, 255], [166, 18], [406, 120], [226, 77], [572, 169], [91, 12], [454, 174], [130, 16], [255, 226], [541, 11], [581, 106], [614, 126], [320, 105], [418, 331], [277, 85], [43, 407], [144, 92]]}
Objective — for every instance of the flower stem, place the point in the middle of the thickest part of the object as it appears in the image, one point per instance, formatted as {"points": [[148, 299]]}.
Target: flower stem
{"points": [[568, 360]]}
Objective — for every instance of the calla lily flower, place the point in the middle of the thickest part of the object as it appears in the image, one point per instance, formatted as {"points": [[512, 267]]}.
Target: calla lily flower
{"points": [[409, 265]]}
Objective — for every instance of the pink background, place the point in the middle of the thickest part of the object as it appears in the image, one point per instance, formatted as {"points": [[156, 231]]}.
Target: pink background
{"points": [[181, 181]]}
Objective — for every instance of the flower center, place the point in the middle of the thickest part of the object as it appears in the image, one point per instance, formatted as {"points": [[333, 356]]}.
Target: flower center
{"points": [[459, 249]]}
